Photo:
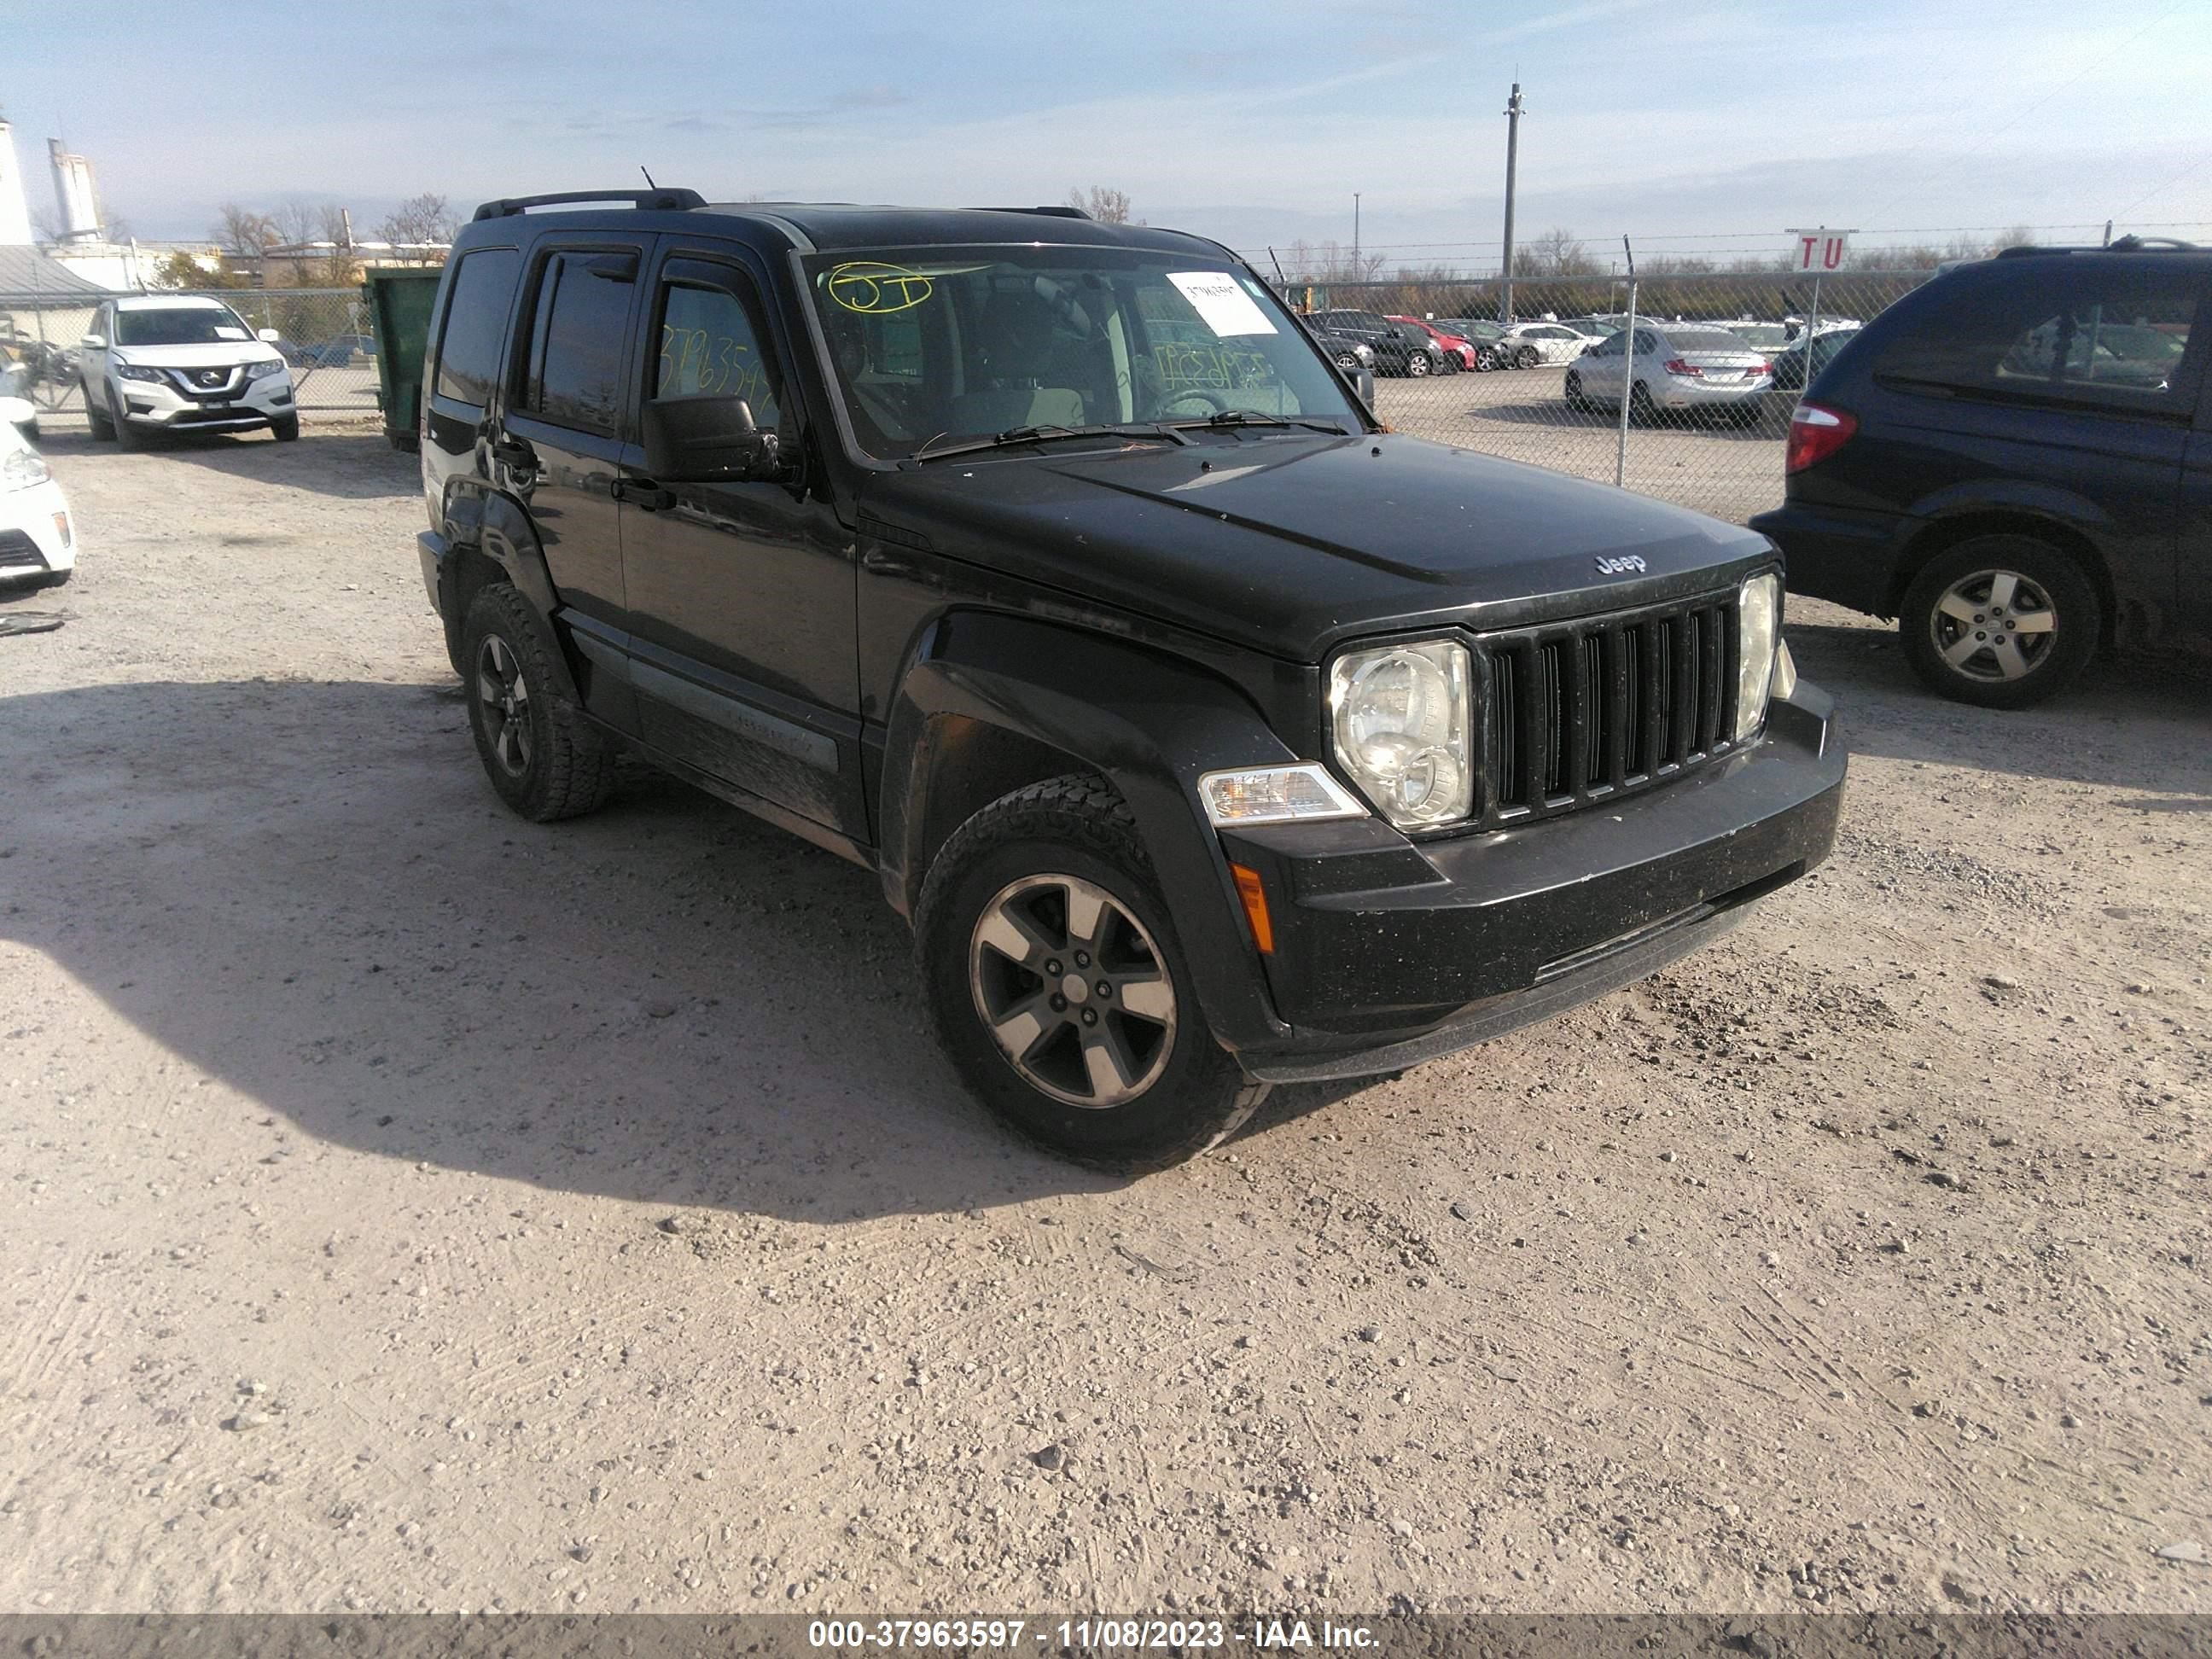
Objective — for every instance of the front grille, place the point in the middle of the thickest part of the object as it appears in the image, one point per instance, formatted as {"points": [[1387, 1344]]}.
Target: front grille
{"points": [[1582, 712], [203, 382]]}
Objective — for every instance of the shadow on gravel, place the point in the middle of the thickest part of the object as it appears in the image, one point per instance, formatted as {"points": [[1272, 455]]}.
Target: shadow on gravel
{"points": [[308, 890], [350, 465], [2131, 724]]}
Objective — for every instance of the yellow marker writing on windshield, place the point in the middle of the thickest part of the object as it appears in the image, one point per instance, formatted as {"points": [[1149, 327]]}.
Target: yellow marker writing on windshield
{"points": [[873, 289]]}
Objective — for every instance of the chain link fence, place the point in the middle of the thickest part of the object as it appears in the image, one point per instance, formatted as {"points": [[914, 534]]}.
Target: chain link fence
{"points": [[1721, 362], [1547, 391], [325, 334]]}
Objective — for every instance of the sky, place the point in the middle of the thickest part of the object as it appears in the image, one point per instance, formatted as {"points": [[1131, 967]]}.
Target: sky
{"points": [[1693, 125]]}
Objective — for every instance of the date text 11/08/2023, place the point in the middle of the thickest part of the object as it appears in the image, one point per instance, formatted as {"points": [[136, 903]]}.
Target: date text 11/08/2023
{"points": [[1016, 1635]]}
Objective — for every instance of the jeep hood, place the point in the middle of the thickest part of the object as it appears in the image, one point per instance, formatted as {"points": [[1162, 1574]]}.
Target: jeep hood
{"points": [[1291, 543]]}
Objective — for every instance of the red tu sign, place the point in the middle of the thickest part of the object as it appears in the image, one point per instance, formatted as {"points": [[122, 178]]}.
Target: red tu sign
{"points": [[1821, 249]]}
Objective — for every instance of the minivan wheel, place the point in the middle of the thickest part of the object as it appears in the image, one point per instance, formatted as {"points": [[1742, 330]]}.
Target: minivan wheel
{"points": [[543, 754], [2003, 622], [1060, 990]]}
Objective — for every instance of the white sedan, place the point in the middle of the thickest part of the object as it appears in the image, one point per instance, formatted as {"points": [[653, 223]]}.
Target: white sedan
{"points": [[1675, 368], [38, 541], [1524, 345]]}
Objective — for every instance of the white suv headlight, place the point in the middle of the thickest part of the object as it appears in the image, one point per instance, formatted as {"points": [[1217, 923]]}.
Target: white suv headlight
{"points": [[21, 468], [1399, 720], [1759, 633], [272, 366]]}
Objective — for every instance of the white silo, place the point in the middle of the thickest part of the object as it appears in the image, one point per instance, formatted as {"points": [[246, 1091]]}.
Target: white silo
{"points": [[76, 194], [14, 207]]}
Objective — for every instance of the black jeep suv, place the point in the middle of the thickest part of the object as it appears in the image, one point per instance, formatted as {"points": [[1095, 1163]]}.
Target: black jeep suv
{"points": [[1209, 735], [2014, 460]]}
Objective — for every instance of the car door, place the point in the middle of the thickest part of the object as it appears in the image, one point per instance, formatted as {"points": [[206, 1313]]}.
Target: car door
{"points": [[2193, 545], [742, 595], [462, 373], [1599, 368], [559, 443]]}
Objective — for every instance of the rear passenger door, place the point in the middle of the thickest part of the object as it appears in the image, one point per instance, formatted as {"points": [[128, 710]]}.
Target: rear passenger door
{"points": [[559, 445]]}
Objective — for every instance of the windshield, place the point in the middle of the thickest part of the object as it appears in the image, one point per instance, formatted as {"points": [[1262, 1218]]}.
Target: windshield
{"points": [[966, 343], [180, 326]]}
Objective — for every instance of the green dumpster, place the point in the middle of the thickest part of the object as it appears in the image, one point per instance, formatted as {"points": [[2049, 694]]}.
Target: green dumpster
{"points": [[399, 312]]}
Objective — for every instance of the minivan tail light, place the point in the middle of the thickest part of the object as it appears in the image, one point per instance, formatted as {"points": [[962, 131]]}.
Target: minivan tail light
{"points": [[1677, 365], [1816, 432]]}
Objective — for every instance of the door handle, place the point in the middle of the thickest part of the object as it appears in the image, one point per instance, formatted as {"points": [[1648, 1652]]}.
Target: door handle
{"points": [[642, 494], [886, 564]]}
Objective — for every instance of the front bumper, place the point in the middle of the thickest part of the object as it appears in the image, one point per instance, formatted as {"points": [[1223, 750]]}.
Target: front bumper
{"points": [[37, 536], [162, 405], [1848, 558], [1388, 952]]}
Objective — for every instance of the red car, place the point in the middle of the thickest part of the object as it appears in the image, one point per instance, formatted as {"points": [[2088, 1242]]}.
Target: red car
{"points": [[1456, 353]]}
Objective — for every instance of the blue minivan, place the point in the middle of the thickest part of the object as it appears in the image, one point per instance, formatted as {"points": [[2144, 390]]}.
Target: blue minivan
{"points": [[2014, 461]]}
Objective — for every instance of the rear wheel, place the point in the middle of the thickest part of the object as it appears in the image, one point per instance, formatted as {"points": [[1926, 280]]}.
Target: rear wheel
{"points": [[543, 754], [1640, 406], [1418, 364], [2001, 621], [1576, 399], [1527, 357], [1059, 988]]}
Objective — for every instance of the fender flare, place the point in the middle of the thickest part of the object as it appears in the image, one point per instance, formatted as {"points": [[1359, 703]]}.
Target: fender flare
{"points": [[1151, 723], [495, 527]]}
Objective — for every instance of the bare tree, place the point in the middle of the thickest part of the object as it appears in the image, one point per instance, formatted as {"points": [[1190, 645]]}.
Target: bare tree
{"points": [[420, 221], [1102, 203], [244, 235], [1558, 252], [1329, 262]]}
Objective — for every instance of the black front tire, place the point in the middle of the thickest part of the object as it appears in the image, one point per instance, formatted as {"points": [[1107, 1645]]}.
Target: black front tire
{"points": [[287, 429], [541, 751], [1943, 611], [103, 429], [1074, 826]]}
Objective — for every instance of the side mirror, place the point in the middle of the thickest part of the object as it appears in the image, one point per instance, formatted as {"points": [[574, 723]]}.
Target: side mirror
{"points": [[267, 336], [93, 343], [1364, 383], [707, 440]]}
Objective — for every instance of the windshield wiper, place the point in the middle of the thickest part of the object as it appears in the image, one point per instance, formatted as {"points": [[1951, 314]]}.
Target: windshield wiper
{"points": [[1246, 418], [1014, 437]]}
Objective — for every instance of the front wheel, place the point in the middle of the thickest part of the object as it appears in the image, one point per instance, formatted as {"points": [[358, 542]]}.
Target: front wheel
{"points": [[287, 429], [1527, 357], [1059, 988], [2001, 621], [1349, 363]]}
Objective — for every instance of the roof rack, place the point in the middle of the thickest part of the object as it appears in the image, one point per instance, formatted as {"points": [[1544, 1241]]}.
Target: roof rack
{"points": [[1050, 212], [663, 201], [2122, 245]]}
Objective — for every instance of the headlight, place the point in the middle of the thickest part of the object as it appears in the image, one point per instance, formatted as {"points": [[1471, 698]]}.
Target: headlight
{"points": [[138, 372], [1759, 631], [20, 469], [257, 371], [1275, 794], [1398, 717]]}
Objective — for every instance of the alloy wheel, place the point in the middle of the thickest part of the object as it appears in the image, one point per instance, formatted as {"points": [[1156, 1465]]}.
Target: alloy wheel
{"points": [[504, 695], [1073, 990], [1994, 625]]}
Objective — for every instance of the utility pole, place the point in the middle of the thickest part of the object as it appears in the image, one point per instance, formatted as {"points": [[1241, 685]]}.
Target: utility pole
{"points": [[1355, 235], [1512, 164]]}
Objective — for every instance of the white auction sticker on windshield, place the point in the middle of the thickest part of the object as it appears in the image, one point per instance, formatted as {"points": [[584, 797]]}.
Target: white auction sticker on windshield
{"points": [[1226, 308], [224, 331]]}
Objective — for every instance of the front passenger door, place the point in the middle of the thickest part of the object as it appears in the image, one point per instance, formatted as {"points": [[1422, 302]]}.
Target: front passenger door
{"points": [[742, 594]]}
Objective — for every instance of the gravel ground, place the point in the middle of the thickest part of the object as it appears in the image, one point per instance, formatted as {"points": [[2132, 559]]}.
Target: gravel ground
{"points": [[410, 1207]]}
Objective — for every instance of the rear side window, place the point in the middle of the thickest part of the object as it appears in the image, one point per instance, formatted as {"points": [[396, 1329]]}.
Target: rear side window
{"points": [[2098, 331], [475, 324], [579, 330]]}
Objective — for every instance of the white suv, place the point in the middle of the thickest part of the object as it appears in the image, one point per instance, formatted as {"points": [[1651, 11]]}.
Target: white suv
{"points": [[173, 363]]}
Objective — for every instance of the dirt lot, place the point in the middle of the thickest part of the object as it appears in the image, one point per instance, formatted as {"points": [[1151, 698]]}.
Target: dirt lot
{"points": [[1522, 413], [408, 1207]]}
